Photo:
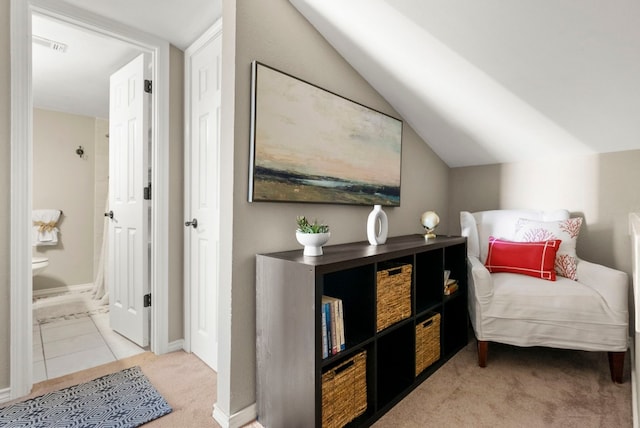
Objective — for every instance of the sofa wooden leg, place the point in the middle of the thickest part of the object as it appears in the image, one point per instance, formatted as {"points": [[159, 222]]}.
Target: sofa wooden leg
{"points": [[483, 350], [616, 365]]}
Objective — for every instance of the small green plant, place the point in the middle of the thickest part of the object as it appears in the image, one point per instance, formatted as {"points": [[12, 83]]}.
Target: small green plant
{"points": [[305, 227]]}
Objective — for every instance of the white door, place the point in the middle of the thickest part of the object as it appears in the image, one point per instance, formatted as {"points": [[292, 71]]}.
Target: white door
{"points": [[203, 201], [128, 262]]}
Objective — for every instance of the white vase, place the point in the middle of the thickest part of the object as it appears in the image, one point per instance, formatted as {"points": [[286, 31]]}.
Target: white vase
{"points": [[312, 242], [377, 226]]}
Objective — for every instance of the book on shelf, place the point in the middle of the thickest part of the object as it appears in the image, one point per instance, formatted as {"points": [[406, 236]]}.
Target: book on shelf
{"points": [[332, 326], [341, 323], [450, 287], [450, 284], [325, 351]]}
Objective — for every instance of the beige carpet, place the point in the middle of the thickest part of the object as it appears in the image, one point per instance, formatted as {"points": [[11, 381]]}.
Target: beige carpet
{"points": [[520, 387], [185, 382]]}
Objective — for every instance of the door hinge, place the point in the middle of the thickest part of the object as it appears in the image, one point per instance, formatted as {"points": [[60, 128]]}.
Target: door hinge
{"points": [[148, 86], [147, 300], [147, 193]]}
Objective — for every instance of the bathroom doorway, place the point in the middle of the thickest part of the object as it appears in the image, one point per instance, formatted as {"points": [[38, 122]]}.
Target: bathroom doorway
{"points": [[21, 333], [71, 310]]}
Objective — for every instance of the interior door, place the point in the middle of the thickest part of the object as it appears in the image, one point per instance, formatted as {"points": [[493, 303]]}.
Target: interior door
{"points": [[203, 207], [128, 255]]}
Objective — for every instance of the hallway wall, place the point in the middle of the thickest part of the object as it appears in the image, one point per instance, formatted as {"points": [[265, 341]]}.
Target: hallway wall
{"points": [[275, 34]]}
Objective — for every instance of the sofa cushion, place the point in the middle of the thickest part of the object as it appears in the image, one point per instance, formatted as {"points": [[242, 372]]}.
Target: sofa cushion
{"points": [[524, 297], [566, 230], [527, 258]]}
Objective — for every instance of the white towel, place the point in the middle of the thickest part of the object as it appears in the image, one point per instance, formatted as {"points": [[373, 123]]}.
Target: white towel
{"points": [[44, 229]]}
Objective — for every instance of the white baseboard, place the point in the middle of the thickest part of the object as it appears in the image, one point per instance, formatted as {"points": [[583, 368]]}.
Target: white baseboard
{"points": [[5, 395], [634, 381], [66, 288], [176, 345], [238, 419]]}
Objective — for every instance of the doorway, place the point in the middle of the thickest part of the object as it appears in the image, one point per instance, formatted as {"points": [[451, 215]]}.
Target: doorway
{"points": [[21, 332], [71, 151]]}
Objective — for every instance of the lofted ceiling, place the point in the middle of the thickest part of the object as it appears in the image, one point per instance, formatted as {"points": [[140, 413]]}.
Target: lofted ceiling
{"points": [[497, 81], [480, 82], [77, 80]]}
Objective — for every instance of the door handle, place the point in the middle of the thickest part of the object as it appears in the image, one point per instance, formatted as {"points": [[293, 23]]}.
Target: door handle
{"points": [[109, 214], [193, 223]]}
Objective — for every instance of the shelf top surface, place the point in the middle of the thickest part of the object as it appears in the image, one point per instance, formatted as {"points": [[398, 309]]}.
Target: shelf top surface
{"points": [[399, 245]]}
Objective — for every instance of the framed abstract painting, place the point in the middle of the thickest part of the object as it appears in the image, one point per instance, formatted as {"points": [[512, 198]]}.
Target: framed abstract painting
{"points": [[311, 145]]}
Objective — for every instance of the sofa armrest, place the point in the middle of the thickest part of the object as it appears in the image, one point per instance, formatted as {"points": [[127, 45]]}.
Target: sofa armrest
{"points": [[480, 282], [612, 284]]}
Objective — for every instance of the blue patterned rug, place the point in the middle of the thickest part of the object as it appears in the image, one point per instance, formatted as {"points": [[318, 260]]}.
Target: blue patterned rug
{"points": [[122, 399]]}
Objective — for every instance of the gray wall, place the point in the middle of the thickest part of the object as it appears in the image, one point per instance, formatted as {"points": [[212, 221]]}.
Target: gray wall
{"points": [[176, 194], [62, 180], [275, 34]]}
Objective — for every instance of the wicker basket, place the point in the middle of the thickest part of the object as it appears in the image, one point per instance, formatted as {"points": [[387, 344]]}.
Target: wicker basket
{"points": [[427, 342], [344, 391], [393, 295]]}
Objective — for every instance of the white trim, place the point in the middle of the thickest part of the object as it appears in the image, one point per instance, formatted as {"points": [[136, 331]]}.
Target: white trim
{"points": [[5, 395], [176, 345], [227, 176], [21, 171], [160, 204], [238, 419], [635, 403], [21, 281], [634, 232], [207, 36]]}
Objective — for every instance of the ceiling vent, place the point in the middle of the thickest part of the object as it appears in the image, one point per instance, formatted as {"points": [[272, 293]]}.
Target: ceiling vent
{"points": [[51, 44]]}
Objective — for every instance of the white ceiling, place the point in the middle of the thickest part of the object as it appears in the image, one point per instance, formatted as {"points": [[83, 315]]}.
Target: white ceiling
{"points": [[495, 81], [77, 81]]}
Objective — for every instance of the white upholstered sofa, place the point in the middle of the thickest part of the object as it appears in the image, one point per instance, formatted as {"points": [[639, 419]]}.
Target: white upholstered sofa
{"points": [[589, 313]]}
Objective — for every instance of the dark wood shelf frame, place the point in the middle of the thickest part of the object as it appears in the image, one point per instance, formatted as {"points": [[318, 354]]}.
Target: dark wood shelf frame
{"points": [[289, 287]]}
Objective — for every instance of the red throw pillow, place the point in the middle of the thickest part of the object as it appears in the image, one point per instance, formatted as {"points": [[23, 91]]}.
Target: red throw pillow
{"points": [[527, 258]]}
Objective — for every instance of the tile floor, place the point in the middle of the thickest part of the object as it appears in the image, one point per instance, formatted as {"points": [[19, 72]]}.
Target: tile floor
{"points": [[67, 346]]}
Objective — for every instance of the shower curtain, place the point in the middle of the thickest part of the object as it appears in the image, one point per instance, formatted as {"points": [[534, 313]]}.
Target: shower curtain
{"points": [[100, 291]]}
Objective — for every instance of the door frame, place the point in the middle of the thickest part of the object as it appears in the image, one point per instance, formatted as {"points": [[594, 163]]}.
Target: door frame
{"points": [[21, 328], [214, 31]]}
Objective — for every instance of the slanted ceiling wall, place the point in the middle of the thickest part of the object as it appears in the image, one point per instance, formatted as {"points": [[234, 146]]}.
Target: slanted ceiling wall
{"points": [[494, 81]]}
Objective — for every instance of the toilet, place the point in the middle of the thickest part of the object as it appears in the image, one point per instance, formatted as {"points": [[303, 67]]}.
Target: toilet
{"points": [[38, 264]]}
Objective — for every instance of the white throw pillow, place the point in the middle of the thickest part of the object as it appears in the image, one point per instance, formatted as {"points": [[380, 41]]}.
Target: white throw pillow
{"points": [[566, 230]]}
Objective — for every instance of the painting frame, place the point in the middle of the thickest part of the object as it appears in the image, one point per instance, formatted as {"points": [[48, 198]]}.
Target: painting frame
{"points": [[311, 145]]}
